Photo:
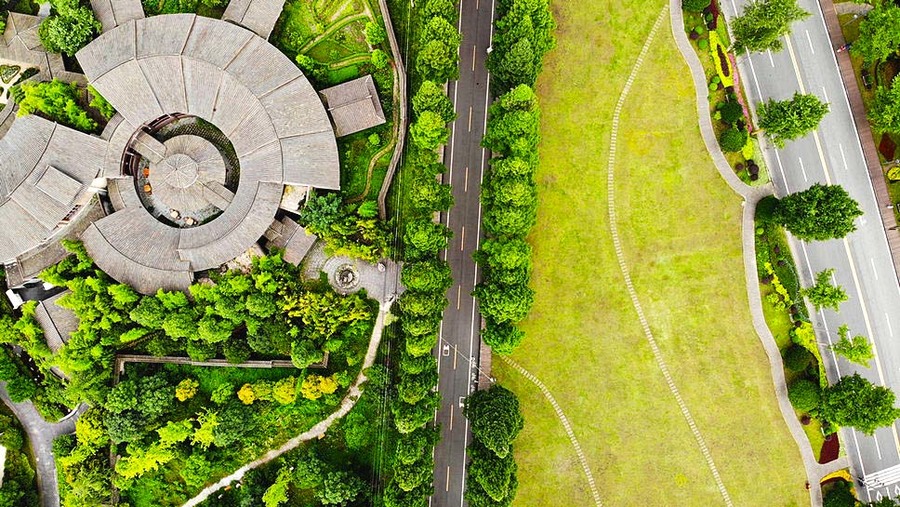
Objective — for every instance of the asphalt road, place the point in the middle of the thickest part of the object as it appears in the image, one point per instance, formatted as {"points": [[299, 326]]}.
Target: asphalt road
{"points": [[862, 260], [457, 352]]}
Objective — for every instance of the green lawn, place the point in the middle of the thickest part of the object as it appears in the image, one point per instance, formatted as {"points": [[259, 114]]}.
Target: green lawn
{"points": [[680, 227]]}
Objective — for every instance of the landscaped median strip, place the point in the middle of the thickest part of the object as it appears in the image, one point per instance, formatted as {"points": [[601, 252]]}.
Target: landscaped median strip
{"points": [[620, 254]]}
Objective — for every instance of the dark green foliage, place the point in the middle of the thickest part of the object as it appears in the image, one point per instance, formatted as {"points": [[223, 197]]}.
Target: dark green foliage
{"points": [[502, 338], [732, 140], [731, 112], [820, 212], [495, 475], [101, 104], [796, 358], [856, 402], [840, 495], [438, 56], [763, 23], [694, 5], [805, 395], [56, 100], [524, 34], [427, 276], [504, 303], [495, 418], [69, 28], [431, 97], [884, 109], [424, 238]]}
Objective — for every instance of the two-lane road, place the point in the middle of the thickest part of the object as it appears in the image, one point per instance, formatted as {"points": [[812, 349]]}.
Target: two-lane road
{"points": [[457, 351], [862, 261]]}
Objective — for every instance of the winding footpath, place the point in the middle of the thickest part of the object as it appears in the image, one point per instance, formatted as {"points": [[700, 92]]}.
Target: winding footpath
{"points": [[316, 431], [751, 196], [565, 422], [626, 273], [40, 436]]}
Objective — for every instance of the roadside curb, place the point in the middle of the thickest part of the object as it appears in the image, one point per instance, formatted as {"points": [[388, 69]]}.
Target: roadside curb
{"points": [[751, 196]]}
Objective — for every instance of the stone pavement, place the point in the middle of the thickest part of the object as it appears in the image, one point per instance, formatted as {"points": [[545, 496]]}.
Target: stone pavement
{"points": [[40, 436]]}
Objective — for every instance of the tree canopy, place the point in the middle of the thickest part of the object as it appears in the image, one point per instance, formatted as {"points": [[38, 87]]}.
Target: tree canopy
{"points": [[820, 212], [856, 402], [69, 27], [787, 120], [823, 294], [884, 109], [495, 418], [856, 349], [762, 24], [879, 33]]}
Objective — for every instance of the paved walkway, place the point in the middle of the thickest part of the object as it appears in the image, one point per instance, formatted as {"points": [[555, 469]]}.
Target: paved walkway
{"points": [[565, 422], [751, 196], [40, 436], [316, 431]]}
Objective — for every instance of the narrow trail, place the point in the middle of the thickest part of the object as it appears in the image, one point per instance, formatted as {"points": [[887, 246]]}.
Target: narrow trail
{"points": [[565, 422], [316, 431], [626, 273]]}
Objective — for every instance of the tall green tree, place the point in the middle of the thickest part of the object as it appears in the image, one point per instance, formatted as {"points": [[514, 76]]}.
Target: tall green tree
{"points": [[823, 294], [524, 34], [495, 418], [856, 349], [884, 109], [820, 212], [786, 120], [69, 27], [879, 33], [856, 402], [762, 24]]}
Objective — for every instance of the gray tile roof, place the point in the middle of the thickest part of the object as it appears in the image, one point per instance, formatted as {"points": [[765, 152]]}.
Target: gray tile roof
{"points": [[354, 106], [256, 15], [113, 13], [228, 76], [288, 235]]}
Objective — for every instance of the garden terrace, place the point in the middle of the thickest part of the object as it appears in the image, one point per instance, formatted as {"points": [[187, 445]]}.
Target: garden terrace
{"points": [[156, 69]]}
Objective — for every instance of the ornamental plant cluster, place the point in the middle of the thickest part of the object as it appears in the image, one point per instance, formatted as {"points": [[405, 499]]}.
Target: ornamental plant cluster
{"points": [[267, 312], [351, 230], [425, 276], [70, 27]]}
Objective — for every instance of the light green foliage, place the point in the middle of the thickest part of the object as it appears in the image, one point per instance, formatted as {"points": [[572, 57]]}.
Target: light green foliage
{"points": [[424, 238], [277, 493], [375, 33], [431, 97], [514, 122], [316, 386], [763, 23], [380, 59], [501, 304], [175, 432], [879, 33], [429, 131], [285, 390], [69, 28], [823, 294], [805, 336], [409, 418], [787, 120], [101, 104], [820, 212], [856, 349], [502, 338], [430, 276], [56, 100], [438, 55], [884, 109], [204, 436], [856, 402], [186, 389]]}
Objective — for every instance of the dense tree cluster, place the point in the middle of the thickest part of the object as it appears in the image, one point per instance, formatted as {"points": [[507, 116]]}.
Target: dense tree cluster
{"points": [[496, 422], [353, 230], [856, 402], [70, 27], [56, 100], [523, 35]]}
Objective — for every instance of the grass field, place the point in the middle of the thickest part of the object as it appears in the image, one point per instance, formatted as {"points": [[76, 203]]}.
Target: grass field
{"points": [[680, 227]]}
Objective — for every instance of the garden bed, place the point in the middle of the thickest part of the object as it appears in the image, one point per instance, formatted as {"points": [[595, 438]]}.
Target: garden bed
{"points": [[786, 314], [728, 109]]}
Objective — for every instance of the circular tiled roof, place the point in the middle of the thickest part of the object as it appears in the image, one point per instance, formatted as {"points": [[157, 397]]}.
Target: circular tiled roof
{"points": [[183, 64]]}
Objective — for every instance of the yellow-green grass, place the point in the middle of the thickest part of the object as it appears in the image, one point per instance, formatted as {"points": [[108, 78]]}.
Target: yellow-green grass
{"points": [[680, 227]]}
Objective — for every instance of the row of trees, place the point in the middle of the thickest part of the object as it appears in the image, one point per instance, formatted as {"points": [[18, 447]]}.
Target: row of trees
{"points": [[496, 421], [524, 33], [425, 276], [879, 40]]}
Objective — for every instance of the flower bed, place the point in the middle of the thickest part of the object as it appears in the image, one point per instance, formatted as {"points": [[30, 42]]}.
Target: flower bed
{"points": [[732, 122]]}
